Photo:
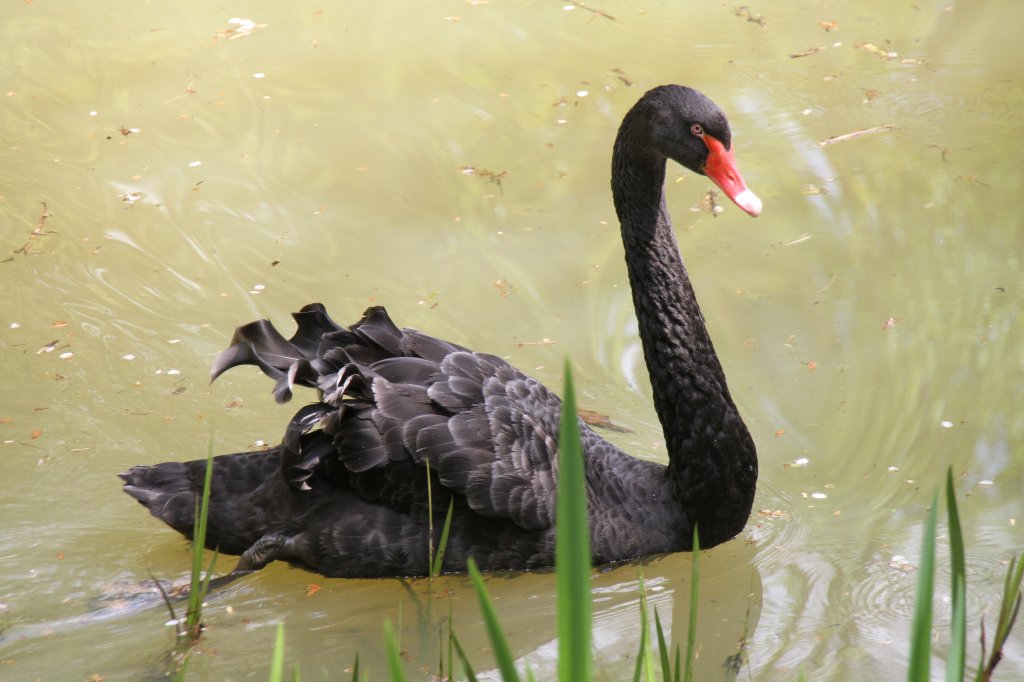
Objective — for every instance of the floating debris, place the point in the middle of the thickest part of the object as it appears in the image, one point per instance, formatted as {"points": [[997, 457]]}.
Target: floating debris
{"points": [[490, 176], [601, 421], [901, 563], [240, 28], [880, 52], [855, 134], [807, 53], [744, 11]]}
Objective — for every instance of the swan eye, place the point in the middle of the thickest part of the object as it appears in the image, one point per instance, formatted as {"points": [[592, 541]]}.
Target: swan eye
{"points": [[697, 130]]}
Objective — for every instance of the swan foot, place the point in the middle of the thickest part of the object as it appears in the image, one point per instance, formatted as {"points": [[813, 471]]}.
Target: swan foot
{"points": [[263, 551]]}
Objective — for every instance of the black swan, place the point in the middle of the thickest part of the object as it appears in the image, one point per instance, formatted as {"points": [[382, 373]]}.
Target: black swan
{"points": [[345, 493]]}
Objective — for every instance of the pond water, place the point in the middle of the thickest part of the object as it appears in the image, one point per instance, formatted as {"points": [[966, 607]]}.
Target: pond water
{"points": [[170, 171]]}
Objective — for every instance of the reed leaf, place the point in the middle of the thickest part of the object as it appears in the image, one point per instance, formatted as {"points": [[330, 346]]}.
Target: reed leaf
{"points": [[921, 630], [956, 656], [644, 657], [1009, 609], [394, 656], [197, 585], [666, 667], [572, 547], [435, 570], [467, 668], [355, 670], [502, 652], [691, 635], [277, 662], [430, 521]]}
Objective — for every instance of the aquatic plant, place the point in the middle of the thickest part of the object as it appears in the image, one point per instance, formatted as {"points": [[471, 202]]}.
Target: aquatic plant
{"points": [[921, 632]]}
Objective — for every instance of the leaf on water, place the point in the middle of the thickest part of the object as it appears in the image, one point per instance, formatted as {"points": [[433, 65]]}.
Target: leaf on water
{"points": [[542, 342], [855, 134], [744, 11], [972, 177], [601, 421], [807, 53], [829, 25], [878, 51], [504, 287], [490, 176], [312, 589], [240, 28]]}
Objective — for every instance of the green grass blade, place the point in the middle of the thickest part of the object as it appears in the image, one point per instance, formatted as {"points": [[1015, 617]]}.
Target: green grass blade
{"points": [[502, 652], [1009, 609], [921, 631], [355, 670], [430, 522], [196, 595], [179, 674], [644, 656], [451, 646], [638, 671], [691, 635], [467, 668], [1011, 599], [666, 667], [572, 547], [435, 570], [277, 663], [956, 656], [394, 656]]}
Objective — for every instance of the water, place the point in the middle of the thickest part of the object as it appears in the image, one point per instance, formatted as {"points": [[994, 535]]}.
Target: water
{"points": [[197, 175]]}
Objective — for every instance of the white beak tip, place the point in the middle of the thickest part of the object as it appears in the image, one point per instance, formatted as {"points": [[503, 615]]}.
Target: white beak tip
{"points": [[749, 202]]}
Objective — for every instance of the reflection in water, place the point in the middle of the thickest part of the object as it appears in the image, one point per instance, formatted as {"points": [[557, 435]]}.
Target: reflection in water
{"points": [[337, 176]]}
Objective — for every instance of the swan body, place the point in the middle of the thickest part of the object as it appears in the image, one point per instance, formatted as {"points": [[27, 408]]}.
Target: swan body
{"points": [[345, 493]]}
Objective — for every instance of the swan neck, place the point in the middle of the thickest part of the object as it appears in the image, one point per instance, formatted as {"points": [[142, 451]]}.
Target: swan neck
{"points": [[711, 454]]}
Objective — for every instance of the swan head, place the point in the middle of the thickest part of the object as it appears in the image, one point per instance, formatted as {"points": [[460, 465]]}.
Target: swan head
{"points": [[687, 127]]}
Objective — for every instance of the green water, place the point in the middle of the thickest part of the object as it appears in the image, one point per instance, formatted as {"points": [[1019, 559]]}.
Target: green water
{"points": [[197, 175]]}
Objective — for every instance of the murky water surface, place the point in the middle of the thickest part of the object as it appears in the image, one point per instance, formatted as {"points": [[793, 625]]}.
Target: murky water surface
{"points": [[168, 172]]}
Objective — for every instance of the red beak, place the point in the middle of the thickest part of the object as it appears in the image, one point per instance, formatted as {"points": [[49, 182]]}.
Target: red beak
{"points": [[721, 168]]}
